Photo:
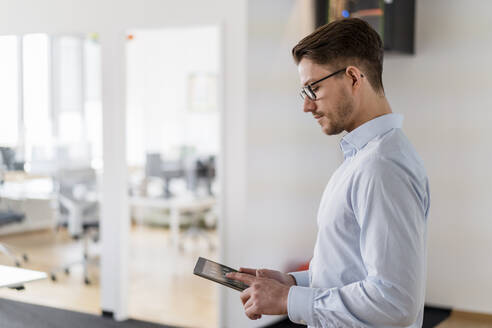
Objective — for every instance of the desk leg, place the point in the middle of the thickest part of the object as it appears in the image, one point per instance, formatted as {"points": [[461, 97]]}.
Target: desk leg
{"points": [[174, 227]]}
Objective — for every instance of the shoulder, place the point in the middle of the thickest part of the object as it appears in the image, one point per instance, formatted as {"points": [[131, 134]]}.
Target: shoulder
{"points": [[391, 154], [375, 168]]}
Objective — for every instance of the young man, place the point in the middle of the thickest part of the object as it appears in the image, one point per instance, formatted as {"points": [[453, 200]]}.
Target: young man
{"points": [[368, 267]]}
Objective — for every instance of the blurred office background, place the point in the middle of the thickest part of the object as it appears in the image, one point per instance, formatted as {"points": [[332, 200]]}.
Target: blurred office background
{"points": [[136, 136], [52, 166]]}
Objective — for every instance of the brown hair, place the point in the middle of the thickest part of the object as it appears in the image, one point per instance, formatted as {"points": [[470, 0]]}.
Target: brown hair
{"points": [[345, 42]]}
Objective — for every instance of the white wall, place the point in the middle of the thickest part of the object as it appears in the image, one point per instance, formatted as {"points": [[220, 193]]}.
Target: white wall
{"points": [[111, 18], [160, 63], [444, 91], [289, 159]]}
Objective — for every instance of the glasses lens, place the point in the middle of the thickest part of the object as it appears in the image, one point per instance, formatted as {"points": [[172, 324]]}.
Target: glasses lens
{"points": [[310, 93], [303, 94], [307, 92]]}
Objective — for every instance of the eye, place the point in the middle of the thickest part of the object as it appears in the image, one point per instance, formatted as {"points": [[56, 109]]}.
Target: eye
{"points": [[314, 89]]}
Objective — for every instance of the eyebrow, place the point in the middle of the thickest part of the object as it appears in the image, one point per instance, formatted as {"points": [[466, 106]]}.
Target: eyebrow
{"points": [[308, 82]]}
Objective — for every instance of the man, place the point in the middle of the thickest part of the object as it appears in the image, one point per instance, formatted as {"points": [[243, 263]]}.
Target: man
{"points": [[368, 268]]}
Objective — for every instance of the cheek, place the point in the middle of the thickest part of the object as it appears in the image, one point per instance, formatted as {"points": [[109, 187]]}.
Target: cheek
{"points": [[328, 110]]}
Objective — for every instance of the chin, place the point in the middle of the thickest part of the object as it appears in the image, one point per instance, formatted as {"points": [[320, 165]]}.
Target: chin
{"points": [[331, 130]]}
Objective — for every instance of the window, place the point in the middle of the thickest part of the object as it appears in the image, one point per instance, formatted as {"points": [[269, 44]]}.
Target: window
{"points": [[36, 95], [93, 101], [9, 86], [50, 100]]}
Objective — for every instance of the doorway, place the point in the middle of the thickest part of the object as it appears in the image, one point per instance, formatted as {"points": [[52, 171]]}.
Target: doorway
{"points": [[173, 147]]}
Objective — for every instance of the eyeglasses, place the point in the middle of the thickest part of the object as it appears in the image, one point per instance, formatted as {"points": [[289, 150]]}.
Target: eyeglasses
{"points": [[308, 91]]}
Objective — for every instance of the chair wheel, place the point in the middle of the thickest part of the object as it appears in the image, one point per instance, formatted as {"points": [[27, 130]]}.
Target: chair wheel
{"points": [[87, 281], [53, 277], [24, 256], [17, 264], [67, 271]]}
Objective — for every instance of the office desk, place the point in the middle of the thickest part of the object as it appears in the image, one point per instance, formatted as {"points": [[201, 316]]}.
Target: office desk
{"points": [[176, 206], [33, 197], [14, 277]]}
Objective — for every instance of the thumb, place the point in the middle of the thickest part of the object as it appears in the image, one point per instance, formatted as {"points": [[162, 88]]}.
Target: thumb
{"points": [[260, 273]]}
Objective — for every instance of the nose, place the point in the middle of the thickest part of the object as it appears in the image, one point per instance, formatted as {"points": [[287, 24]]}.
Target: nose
{"points": [[309, 105]]}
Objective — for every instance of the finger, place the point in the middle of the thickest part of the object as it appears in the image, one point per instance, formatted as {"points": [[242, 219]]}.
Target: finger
{"points": [[251, 316], [243, 277], [252, 312], [245, 295], [248, 308], [248, 304], [260, 273], [248, 271]]}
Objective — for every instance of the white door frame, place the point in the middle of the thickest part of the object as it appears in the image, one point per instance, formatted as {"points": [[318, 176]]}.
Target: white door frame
{"points": [[115, 218]]}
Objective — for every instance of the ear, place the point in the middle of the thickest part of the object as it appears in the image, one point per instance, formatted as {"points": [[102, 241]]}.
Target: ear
{"points": [[356, 75]]}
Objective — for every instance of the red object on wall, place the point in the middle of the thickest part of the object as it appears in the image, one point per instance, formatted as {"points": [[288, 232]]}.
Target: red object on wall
{"points": [[303, 267]]}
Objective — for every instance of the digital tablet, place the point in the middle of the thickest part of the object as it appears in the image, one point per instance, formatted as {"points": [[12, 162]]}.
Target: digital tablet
{"points": [[217, 272]]}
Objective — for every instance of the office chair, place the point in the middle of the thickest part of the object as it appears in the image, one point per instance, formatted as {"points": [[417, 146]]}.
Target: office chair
{"points": [[165, 170], [199, 223], [9, 216], [10, 160], [78, 210], [200, 170]]}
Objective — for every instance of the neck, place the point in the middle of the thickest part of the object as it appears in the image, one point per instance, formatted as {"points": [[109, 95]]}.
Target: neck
{"points": [[376, 106]]}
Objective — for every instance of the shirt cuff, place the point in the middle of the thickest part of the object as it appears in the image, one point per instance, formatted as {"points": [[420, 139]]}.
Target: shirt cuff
{"points": [[301, 277], [300, 304]]}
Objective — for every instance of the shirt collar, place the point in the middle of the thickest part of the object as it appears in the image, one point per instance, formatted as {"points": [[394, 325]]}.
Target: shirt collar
{"points": [[359, 137]]}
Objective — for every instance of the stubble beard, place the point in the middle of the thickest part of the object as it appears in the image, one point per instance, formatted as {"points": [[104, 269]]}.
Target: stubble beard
{"points": [[338, 120]]}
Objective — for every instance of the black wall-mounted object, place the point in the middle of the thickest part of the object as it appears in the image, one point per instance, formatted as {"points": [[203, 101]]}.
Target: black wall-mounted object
{"points": [[321, 12], [396, 25]]}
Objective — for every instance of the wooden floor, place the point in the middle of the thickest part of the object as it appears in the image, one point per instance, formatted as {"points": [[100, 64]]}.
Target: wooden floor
{"points": [[162, 287], [466, 320]]}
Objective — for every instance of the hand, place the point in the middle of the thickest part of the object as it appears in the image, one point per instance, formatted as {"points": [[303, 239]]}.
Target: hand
{"points": [[281, 277], [264, 295]]}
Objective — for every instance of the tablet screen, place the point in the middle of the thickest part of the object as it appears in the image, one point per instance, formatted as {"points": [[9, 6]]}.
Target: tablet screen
{"points": [[216, 272]]}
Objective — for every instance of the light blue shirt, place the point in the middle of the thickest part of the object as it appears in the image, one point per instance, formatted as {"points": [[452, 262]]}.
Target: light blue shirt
{"points": [[369, 263]]}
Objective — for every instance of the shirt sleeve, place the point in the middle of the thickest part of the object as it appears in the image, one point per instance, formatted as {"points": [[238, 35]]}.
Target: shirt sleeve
{"points": [[390, 205], [301, 277]]}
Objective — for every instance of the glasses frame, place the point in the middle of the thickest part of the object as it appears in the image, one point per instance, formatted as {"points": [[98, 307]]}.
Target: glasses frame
{"points": [[307, 90]]}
